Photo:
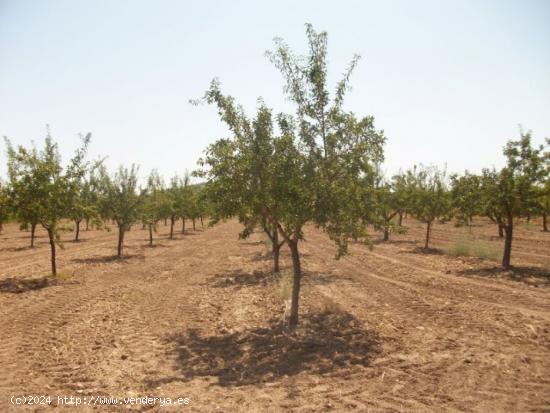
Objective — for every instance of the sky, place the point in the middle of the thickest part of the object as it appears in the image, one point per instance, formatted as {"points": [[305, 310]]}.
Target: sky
{"points": [[448, 81]]}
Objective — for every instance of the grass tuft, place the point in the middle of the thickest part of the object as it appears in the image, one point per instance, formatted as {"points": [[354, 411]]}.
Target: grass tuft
{"points": [[282, 284], [467, 246]]}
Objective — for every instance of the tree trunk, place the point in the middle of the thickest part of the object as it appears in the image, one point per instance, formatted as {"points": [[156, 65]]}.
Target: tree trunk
{"points": [[87, 224], [120, 240], [293, 321], [77, 231], [183, 226], [151, 235], [386, 234], [33, 230], [508, 231], [500, 231], [276, 249], [202, 224], [428, 228], [544, 222], [51, 236], [1, 226], [194, 224], [400, 218], [172, 220], [276, 252]]}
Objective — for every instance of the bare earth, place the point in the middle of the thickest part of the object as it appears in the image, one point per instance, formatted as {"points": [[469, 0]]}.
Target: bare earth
{"points": [[394, 329]]}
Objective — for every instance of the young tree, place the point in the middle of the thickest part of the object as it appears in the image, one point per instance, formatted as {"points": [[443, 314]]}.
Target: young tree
{"points": [[154, 204], [196, 205], [430, 199], [55, 187], [241, 173], [320, 158], [388, 203], [403, 186], [184, 200], [466, 197], [121, 200], [543, 203], [25, 205], [508, 193], [4, 205], [543, 188], [85, 203]]}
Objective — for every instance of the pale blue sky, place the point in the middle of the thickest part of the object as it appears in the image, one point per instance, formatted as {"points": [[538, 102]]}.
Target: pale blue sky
{"points": [[448, 81]]}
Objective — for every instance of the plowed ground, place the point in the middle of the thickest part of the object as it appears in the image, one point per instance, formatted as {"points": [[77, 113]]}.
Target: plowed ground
{"points": [[393, 329]]}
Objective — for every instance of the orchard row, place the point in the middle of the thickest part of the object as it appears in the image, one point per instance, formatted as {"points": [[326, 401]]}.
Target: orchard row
{"points": [[280, 172]]}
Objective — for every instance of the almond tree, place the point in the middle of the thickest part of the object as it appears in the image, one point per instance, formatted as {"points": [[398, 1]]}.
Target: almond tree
{"points": [[196, 205], [543, 189], [241, 171], [248, 170], [509, 193], [4, 204], [543, 203], [24, 202], [403, 187], [183, 199], [55, 187], [153, 207], [85, 203], [388, 207], [430, 199], [466, 197], [319, 160], [173, 196], [121, 200]]}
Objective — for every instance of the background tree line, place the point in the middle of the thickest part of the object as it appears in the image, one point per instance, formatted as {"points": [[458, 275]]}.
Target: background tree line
{"points": [[42, 190]]}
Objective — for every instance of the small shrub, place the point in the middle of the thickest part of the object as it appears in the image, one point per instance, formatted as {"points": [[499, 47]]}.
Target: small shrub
{"points": [[485, 251], [459, 247], [470, 247], [282, 284]]}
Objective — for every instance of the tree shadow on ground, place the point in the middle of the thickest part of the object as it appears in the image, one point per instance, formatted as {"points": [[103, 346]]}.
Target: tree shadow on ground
{"points": [[107, 259], [79, 241], [17, 285], [528, 275], [262, 257], [156, 246], [17, 249], [318, 278], [380, 241], [423, 251], [241, 278], [324, 343], [253, 242]]}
